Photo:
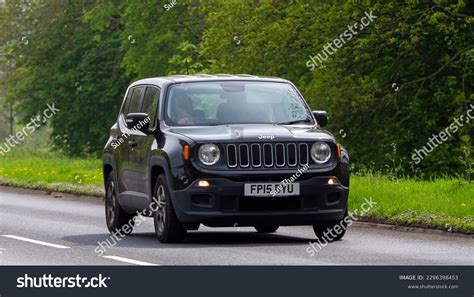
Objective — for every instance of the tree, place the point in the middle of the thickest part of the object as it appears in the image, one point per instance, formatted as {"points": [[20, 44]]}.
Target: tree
{"points": [[73, 60], [402, 75], [405, 76], [155, 38]]}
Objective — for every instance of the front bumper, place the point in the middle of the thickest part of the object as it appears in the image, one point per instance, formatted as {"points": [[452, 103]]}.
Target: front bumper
{"points": [[223, 204]]}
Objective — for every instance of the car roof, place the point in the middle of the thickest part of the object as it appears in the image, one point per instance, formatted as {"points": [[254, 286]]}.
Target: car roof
{"points": [[160, 81]]}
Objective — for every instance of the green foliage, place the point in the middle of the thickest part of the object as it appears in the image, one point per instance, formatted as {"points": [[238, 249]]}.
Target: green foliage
{"points": [[71, 59], [398, 81], [404, 77], [184, 61], [154, 38]]}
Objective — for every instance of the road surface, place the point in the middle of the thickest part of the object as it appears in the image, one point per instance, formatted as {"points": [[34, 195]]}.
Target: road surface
{"points": [[39, 229]]}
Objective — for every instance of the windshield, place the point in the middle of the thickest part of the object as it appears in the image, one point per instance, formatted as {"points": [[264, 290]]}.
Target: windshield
{"points": [[235, 102]]}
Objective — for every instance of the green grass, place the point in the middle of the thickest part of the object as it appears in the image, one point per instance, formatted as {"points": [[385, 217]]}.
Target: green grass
{"points": [[50, 171], [440, 204], [445, 204]]}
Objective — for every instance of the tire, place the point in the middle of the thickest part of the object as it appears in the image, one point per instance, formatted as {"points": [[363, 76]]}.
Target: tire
{"points": [[266, 228], [320, 229], [168, 229], [116, 218]]}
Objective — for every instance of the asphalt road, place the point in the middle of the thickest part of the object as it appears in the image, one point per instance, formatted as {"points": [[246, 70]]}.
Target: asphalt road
{"points": [[39, 229]]}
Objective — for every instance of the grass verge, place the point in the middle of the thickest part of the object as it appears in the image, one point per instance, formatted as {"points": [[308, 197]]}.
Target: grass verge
{"points": [[54, 172], [445, 204]]}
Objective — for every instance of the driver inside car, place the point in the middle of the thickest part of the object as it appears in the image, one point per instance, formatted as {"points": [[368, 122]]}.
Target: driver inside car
{"points": [[182, 110]]}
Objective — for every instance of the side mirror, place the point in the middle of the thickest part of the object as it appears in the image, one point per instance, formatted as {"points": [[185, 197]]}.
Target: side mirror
{"points": [[139, 122], [321, 117]]}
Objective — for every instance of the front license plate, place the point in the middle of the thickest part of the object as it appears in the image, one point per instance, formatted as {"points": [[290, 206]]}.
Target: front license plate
{"points": [[271, 189]]}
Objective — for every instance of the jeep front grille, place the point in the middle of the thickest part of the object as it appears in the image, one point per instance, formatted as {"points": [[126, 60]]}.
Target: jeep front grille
{"points": [[267, 155]]}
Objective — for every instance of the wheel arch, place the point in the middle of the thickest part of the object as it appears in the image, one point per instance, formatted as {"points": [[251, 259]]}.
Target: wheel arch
{"points": [[108, 167], [159, 165]]}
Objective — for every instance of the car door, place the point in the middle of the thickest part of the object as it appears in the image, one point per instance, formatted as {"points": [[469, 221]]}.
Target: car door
{"points": [[139, 153], [121, 146], [130, 180]]}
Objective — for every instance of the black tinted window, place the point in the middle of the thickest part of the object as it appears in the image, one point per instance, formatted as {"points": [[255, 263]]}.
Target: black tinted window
{"points": [[150, 103], [127, 102], [136, 100]]}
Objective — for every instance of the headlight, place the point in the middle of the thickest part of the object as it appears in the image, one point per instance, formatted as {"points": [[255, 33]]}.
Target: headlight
{"points": [[320, 152], [209, 154]]}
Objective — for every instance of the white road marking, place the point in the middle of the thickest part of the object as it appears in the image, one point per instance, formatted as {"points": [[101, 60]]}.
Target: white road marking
{"points": [[37, 242], [130, 261]]}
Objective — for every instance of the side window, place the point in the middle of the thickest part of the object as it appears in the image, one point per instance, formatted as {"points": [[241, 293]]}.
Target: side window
{"points": [[150, 103], [136, 101], [127, 102]]}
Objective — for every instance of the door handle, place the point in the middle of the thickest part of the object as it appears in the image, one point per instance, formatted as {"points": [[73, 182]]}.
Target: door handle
{"points": [[132, 143]]}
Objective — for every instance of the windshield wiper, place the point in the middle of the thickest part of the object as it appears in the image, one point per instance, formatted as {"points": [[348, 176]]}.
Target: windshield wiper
{"points": [[296, 122]]}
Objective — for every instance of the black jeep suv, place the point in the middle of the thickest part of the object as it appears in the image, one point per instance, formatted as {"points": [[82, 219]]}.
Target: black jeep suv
{"points": [[222, 150]]}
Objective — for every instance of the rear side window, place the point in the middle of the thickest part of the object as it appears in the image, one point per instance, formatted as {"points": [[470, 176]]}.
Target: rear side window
{"points": [[150, 103], [135, 101]]}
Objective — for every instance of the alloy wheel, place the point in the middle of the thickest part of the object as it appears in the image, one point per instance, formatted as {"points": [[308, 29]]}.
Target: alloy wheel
{"points": [[111, 203], [161, 209]]}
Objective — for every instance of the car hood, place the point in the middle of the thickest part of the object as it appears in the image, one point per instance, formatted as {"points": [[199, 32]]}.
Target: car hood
{"points": [[254, 133]]}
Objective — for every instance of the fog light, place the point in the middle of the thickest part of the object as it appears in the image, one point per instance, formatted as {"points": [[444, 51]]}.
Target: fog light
{"points": [[203, 183], [332, 181]]}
